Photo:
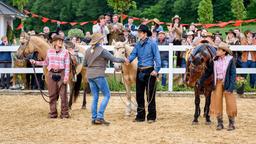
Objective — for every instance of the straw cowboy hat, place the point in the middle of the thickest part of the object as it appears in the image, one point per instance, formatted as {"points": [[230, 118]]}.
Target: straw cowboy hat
{"points": [[57, 37], [225, 47], [155, 20], [96, 38], [208, 34], [176, 17], [189, 33]]}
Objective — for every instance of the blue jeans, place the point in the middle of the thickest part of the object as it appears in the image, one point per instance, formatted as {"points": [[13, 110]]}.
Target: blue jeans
{"points": [[165, 64], [96, 85], [250, 64]]}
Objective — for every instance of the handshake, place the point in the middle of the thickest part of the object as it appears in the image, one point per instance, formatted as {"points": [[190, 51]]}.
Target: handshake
{"points": [[126, 61]]}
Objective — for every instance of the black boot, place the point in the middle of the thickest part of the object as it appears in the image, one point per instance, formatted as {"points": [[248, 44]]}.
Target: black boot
{"points": [[220, 125], [231, 125]]}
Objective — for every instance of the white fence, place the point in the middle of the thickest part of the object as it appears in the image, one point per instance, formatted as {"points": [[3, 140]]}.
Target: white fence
{"points": [[171, 70]]}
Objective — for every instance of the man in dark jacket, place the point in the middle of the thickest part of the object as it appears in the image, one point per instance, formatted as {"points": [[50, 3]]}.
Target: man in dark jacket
{"points": [[5, 62]]}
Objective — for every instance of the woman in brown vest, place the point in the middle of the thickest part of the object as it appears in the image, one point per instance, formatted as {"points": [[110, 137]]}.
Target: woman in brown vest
{"points": [[96, 59]]}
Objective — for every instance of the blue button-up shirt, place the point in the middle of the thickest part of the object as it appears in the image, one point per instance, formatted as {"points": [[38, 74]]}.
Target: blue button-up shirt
{"points": [[147, 53]]}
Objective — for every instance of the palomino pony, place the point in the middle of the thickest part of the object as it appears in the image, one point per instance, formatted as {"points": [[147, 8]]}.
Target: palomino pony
{"points": [[129, 71], [196, 66], [32, 44]]}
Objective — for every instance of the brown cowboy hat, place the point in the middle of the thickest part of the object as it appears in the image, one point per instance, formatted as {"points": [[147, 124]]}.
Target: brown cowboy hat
{"points": [[155, 20], [225, 47], [96, 38], [57, 37], [176, 17]]}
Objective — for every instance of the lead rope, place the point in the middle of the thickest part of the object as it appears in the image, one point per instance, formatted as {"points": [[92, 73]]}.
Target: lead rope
{"points": [[43, 95], [147, 93]]}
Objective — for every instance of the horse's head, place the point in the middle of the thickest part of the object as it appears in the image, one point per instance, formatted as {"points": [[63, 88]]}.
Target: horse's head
{"points": [[120, 51], [196, 66], [31, 44], [24, 51]]}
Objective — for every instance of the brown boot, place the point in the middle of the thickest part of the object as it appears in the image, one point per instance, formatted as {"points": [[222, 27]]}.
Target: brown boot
{"points": [[220, 125], [231, 125]]}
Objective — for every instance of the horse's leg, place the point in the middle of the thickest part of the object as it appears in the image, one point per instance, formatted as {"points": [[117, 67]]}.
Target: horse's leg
{"points": [[129, 98], [197, 106], [71, 86], [207, 107], [85, 86]]}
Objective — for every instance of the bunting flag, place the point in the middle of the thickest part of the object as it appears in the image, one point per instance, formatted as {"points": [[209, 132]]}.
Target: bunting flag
{"points": [[83, 23], [54, 21], [73, 23], [20, 26], [44, 19], [34, 15], [238, 23], [124, 16], [219, 24]]}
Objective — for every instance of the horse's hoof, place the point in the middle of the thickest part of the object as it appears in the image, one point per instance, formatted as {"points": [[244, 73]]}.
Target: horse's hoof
{"points": [[195, 123], [83, 107]]}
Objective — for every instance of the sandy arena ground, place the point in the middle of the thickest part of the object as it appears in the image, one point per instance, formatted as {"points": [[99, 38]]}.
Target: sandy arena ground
{"points": [[23, 120]]}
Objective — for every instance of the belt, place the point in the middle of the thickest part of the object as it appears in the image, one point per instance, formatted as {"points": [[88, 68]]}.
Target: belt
{"points": [[56, 71], [144, 68], [219, 79]]}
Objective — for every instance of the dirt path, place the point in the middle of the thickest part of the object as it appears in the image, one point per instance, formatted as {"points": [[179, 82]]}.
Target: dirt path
{"points": [[23, 119]]}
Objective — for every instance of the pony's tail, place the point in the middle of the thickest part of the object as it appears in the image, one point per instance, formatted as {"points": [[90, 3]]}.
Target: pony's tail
{"points": [[77, 86]]}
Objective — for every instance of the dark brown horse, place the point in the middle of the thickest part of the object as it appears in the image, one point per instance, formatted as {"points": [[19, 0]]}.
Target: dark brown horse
{"points": [[196, 71]]}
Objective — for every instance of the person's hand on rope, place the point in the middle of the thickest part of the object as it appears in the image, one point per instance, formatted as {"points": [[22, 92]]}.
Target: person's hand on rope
{"points": [[153, 73], [32, 61]]}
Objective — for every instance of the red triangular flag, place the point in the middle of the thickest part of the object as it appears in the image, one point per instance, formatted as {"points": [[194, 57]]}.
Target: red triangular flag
{"points": [[44, 19], [63, 23], [54, 21], [238, 23], [209, 25], [249, 21], [124, 16], [135, 18], [35, 15], [83, 23], [94, 22], [73, 23], [20, 26]]}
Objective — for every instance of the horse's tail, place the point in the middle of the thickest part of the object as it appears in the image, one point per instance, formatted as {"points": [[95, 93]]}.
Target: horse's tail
{"points": [[77, 86]]}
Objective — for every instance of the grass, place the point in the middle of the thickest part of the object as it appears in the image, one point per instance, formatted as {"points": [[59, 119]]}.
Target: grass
{"points": [[115, 84]]}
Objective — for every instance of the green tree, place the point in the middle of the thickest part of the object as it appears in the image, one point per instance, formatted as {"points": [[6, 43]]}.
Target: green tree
{"points": [[120, 6], [238, 9], [251, 9], [205, 11], [222, 10], [20, 3]]}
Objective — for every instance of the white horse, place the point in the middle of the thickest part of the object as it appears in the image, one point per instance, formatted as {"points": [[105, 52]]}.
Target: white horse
{"points": [[129, 71]]}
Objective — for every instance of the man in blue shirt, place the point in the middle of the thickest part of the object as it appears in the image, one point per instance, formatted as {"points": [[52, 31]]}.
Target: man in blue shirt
{"points": [[149, 64]]}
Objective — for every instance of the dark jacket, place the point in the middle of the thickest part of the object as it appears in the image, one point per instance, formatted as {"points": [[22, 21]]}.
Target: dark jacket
{"points": [[230, 77], [5, 56]]}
